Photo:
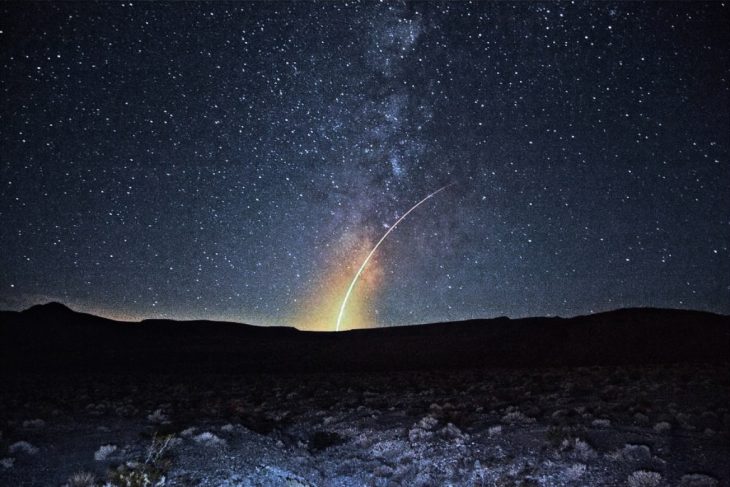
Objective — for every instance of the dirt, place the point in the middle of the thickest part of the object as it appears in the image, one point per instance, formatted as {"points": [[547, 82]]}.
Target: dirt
{"points": [[660, 425]]}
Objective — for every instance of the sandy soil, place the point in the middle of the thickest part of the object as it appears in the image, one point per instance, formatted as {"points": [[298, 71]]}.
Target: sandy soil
{"points": [[636, 426]]}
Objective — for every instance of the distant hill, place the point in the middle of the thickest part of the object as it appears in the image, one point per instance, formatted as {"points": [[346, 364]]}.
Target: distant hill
{"points": [[54, 338]]}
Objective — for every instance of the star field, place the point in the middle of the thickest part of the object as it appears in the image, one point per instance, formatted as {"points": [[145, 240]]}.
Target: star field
{"points": [[237, 161]]}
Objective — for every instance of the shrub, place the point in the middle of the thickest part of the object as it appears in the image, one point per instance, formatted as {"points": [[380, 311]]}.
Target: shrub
{"points": [[151, 473], [34, 424], [574, 472], [698, 480], [601, 423], [517, 417], [135, 475], [103, 452], [644, 478], [24, 447], [81, 479], [583, 450], [157, 417], [209, 439]]}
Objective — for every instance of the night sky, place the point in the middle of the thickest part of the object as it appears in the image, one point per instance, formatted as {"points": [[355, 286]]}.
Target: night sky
{"points": [[239, 161]]}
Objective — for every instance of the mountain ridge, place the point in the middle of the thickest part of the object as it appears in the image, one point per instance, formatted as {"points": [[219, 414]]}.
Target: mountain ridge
{"points": [[55, 307], [52, 337]]}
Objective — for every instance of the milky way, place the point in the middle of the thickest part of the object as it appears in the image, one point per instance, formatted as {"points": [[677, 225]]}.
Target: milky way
{"points": [[233, 161]]}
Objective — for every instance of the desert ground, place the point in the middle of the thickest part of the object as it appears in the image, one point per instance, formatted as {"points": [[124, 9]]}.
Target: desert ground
{"points": [[650, 425]]}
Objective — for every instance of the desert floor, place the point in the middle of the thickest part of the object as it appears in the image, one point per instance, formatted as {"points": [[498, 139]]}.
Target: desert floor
{"points": [[636, 426]]}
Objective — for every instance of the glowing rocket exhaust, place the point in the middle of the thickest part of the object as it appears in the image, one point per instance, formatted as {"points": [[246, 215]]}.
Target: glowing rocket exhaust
{"points": [[365, 262]]}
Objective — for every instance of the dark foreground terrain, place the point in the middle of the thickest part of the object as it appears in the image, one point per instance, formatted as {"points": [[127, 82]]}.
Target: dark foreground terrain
{"points": [[636, 426], [53, 338], [544, 402]]}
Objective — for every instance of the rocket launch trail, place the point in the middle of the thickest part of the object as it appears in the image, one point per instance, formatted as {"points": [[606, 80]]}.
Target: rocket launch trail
{"points": [[367, 259]]}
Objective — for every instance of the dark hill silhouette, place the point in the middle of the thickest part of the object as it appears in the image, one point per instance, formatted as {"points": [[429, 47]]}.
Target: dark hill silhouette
{"points": [[54, 338]]}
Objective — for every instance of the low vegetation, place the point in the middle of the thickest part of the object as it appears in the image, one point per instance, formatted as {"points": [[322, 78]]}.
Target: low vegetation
{"points": [[637, 427]]}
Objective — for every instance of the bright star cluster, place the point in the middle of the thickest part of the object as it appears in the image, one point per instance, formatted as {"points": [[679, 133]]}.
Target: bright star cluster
{"points": [[238, 160]]}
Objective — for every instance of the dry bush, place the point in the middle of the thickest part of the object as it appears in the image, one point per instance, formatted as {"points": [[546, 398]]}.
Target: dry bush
{"points": [[644, 478], [151, 472], [81, 479]]}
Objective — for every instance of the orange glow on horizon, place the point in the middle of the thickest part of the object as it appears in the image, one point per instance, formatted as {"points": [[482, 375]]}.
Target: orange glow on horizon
{"points": [[321, 305]]}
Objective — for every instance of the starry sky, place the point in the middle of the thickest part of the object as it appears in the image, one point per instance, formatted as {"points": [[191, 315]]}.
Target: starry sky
{"points": [[239, 161]]}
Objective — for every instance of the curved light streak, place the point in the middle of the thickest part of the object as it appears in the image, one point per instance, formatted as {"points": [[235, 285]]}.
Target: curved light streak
{"points": [[367, 259]]}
